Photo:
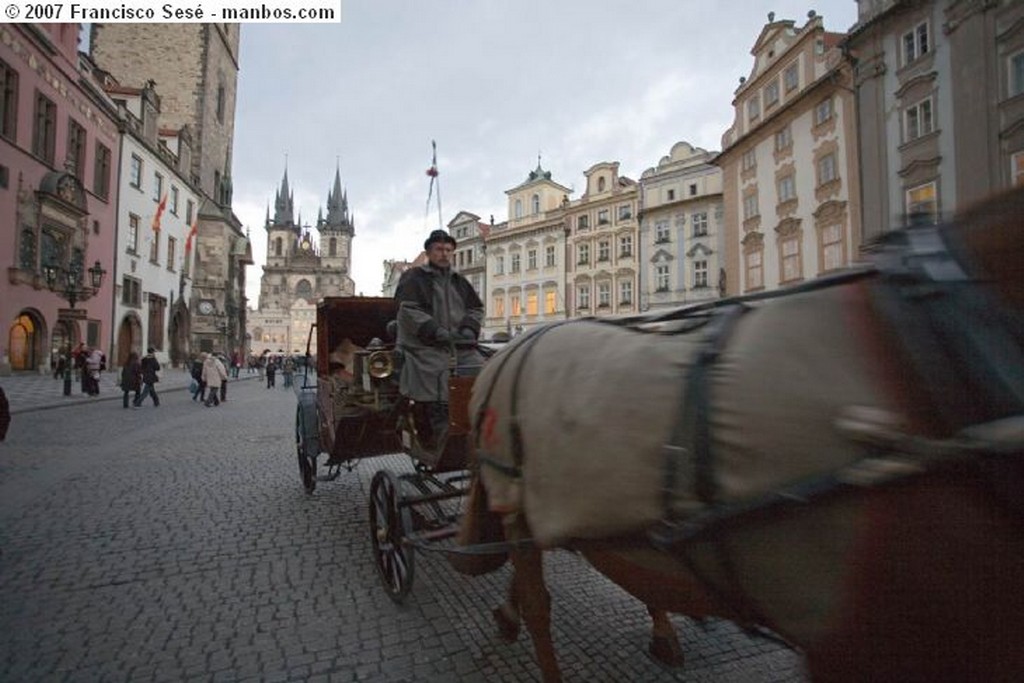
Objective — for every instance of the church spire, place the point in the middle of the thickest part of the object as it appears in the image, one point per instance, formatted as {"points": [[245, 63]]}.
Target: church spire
{"points": [[284, 202], [337, 204]]}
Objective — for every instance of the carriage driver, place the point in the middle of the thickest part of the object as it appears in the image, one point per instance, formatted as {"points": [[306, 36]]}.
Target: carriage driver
{"points": [[437, 309]]}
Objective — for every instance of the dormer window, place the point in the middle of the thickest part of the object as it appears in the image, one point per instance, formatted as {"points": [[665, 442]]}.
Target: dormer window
{"points": [[535, 204], [600, 184]]}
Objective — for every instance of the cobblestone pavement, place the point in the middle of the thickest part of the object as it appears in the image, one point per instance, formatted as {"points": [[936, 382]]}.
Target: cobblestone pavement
{"points": [[176, 543]]}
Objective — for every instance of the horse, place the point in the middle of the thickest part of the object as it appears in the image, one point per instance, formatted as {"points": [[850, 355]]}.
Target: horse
{"points": [[839, 462]]}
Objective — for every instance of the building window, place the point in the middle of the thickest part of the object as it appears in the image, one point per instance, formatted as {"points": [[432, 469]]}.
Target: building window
{"points": [[827, 169], [174, 200], [531, 259], [755, 273], [600, 184], [1016, 74], [549, 256], [133, 234], [135, 173], [583, 296], [221, 96], [172, 247], [753, 109], [625, 246], [603, 251], [771, 95], [625, 292], [602, 217], [700, 274], [923, 203], [499, 306], [158, 186], [531, 303], [832, 252], [791, 77], [791, 269], [700, 223], [44, 135], [499, 265], [515, 263], [661, 278], [518, 208], [661, 232], [189, 208], [583, 253], [915, 43], [750, 209], [131, 291], [823, 111], [749, 160], [783, 139], [625, 212], [101, 172], [154, 247], [517, 306], [1017, 169], [76, 148], [157, 312], [918, 120], [535, 204], [582, 223], [604, 294], [787, 188], [671, 195], [8, 101], [550, 302]]}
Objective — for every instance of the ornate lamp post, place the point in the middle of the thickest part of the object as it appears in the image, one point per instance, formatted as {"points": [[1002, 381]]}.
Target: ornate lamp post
{"points": [[69, 284]]}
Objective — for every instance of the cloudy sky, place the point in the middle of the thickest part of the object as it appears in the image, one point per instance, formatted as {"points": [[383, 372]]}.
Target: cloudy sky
{"points": [[495, 83]]}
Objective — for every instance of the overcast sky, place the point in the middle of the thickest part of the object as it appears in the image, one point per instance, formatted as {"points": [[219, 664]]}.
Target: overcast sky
{"points": [[495, 83]]}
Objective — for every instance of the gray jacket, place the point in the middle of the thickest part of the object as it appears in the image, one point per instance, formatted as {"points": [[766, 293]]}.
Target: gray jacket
{"points": [[436, 307]]}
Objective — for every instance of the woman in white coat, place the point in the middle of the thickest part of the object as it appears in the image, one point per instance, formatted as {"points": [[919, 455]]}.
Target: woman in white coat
{"points": [[214, 373]]}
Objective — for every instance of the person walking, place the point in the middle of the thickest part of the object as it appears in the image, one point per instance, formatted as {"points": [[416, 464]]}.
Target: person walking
{"points": [[150, 368], [213, 375], [288, 371], [271, 372], [95, 363], [224, 384], [131, 378], [197, 374]]}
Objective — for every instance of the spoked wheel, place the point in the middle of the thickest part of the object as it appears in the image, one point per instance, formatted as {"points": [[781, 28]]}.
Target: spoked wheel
{"points": [[389, 522], [307, 462]]}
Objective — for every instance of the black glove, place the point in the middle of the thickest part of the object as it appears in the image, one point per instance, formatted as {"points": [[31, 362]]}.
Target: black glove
{"points": [[442, 336], [465, 334]]}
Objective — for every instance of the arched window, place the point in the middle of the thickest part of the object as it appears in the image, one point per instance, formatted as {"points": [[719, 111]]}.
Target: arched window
{"points": [[535, 204], [519, 208], [277, 246], [600, 184], [333, 247]]}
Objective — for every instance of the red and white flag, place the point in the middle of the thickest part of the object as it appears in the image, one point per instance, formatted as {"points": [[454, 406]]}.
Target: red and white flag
{"points": [[158, 216], [191, 233]]}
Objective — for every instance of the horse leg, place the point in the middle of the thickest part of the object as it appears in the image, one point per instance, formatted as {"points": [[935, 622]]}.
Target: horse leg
{"points": [[506, 615], [664, 645], [532, 598]]}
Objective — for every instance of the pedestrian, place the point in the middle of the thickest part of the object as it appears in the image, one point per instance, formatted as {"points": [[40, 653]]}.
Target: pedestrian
{"points": [[271, 372], [439, 318], [224, 384], [288, 371], [95, 363], [5, 414], [62, 363], [199, 393], [213, 375], [131, 378], [150, 376]]}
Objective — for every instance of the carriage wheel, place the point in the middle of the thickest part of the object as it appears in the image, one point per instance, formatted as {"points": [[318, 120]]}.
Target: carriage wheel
{"points": [[307, 463], [389, 522]]}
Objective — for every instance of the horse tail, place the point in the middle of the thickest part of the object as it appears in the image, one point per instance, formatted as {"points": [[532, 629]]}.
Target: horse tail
{"points": [[479, 526]]}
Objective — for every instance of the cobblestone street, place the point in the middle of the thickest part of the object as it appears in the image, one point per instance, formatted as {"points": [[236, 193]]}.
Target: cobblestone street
{"points": [[177, 543]]}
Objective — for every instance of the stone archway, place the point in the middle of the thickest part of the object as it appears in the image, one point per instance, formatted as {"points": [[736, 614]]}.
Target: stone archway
{"points": [[178, 334], [129, 338], [25, 339]]}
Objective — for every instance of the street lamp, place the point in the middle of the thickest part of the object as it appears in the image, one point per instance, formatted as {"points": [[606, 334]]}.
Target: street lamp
{"points": [[68, 283]]}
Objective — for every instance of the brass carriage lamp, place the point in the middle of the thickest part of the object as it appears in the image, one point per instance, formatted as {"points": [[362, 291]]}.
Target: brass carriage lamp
{"points": [[96, 274]]}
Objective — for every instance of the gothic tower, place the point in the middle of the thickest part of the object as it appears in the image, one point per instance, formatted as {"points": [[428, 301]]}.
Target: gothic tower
{"points": [[336, 233]]}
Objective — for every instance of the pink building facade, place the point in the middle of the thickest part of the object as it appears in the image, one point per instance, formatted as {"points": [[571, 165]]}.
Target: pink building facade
{"points": [[59, 155]]}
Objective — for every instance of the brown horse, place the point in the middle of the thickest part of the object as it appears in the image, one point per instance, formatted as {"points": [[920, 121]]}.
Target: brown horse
{"points": [[890, 548]]}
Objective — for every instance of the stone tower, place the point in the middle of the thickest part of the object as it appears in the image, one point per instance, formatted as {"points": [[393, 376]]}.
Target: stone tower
{"points": [[195, 68]]}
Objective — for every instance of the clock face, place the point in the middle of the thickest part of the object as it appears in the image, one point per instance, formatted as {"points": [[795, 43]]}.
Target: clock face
{"points": [[206, 307]]}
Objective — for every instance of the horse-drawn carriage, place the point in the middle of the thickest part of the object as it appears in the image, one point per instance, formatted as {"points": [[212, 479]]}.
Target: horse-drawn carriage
{"points": [[352, 410], [841, 462]]}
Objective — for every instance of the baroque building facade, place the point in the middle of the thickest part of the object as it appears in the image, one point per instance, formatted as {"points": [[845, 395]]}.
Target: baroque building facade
{"points": [[789, 163], [59, 147], [301, 269], [196, 69], [681, 233]]}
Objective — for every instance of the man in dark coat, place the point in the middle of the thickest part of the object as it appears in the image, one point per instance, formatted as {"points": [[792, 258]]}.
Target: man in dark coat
{"points": [[438, 309], [150, 368]]}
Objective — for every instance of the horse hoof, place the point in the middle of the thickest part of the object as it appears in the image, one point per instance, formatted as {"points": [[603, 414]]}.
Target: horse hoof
{"points": [[666, 651], [508, 628]]}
